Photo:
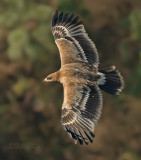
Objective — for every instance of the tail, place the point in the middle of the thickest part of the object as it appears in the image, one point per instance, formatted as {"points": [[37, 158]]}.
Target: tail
{"points": [[111, 80]]}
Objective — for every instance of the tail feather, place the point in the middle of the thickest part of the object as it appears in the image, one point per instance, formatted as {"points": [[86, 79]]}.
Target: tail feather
{"points": [[112, 82]]}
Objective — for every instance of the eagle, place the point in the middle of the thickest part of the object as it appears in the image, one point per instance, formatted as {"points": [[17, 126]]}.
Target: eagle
{"points": [[82, 80]]}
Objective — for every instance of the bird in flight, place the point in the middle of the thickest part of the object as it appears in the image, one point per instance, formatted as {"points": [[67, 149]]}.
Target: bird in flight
{"points": [[82, 80]]}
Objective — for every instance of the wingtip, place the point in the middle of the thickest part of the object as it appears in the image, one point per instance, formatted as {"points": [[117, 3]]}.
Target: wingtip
{"points": [[92, 134], [89, 137], [60, 16], [56, 12], [65, 18], [54, 18]]}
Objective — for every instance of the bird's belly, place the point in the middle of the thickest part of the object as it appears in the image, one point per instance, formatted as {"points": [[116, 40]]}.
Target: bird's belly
{"points": [[80, 77], [78, 74]]}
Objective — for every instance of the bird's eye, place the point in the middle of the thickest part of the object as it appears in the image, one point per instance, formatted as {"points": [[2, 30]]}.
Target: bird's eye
{"points": [[49, 78]]}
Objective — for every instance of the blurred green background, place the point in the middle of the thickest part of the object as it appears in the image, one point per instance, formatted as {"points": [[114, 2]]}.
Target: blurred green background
{"points": [[30, 110]]}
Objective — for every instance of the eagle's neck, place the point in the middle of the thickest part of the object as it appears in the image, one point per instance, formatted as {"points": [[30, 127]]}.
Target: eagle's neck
{"points": [[56, 76]]}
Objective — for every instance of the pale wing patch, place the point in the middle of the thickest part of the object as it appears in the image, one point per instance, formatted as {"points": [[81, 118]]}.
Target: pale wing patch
{"points": [[59, 31], [69, 117]]}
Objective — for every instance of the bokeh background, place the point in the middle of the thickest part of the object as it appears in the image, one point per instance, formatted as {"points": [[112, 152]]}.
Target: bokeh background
{"points": [[30, 110]]}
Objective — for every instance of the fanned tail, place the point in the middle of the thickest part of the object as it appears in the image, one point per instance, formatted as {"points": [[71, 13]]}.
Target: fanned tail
{"points": [[111, 80]]}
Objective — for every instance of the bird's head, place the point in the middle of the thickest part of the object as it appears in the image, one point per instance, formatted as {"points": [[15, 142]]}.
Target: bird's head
{"points": [[51, 77]]}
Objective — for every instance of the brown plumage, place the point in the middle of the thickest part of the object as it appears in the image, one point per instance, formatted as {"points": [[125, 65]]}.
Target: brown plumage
{"points": [[81, 78]]}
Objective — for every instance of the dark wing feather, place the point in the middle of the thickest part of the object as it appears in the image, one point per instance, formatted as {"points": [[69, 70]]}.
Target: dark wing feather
{"points": [[65, 17], [69, 30], [60, 17], [80, 111]]}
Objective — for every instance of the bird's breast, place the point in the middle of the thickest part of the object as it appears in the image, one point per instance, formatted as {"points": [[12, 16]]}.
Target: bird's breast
{"points": [[77, 74]]}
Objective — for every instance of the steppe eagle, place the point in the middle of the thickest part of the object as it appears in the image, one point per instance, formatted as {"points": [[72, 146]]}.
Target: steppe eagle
{"points": [[81, 78]]}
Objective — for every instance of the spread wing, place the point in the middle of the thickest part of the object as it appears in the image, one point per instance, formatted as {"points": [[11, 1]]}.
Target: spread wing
{"points": [[72, 40], [80, 111]]}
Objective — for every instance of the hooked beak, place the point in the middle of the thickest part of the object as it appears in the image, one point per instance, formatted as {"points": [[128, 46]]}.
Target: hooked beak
{"points": [[45, 80]]}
